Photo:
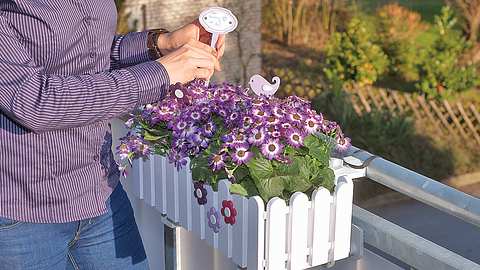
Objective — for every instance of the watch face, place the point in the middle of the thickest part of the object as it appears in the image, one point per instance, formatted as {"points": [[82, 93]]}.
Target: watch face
{"points": [[218, 20]]}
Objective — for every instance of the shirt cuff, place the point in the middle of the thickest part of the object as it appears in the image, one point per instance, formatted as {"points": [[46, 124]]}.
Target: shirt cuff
{"points": [[133, 48], [153, 81]]}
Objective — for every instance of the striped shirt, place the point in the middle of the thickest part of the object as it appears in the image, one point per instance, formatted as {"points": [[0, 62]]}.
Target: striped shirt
{"points": [[63, 74]]}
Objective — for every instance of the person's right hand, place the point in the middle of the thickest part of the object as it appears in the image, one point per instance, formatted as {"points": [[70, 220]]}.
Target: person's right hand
{"points": [[194, 60]]}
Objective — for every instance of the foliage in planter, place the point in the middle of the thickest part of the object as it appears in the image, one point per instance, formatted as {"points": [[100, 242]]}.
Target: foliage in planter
{"points": [[398, 29], [265, 146], [441, 75], [353, 57]]}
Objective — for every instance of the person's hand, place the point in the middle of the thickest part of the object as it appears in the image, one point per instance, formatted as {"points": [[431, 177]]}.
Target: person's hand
{"points": [[174, 40], [193, 60]]}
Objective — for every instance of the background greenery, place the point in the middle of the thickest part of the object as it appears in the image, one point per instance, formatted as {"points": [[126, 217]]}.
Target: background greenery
{"points": [[410, 46]]}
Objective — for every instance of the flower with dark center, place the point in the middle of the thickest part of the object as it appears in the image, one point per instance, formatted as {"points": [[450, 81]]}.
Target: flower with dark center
{"points": [[271, 149], [241, 155]]}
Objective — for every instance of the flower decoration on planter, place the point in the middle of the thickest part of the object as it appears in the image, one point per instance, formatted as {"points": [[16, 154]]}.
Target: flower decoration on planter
{"points": [[213, 220], [229, 212], [264, 145], [200, 192]]}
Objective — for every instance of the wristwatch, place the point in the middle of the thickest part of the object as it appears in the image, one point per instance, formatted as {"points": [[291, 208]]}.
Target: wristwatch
{"points": [[152, 42]]}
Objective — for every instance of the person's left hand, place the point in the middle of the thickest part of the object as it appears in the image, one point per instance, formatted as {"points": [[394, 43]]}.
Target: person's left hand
{"points": [[174, 40]]}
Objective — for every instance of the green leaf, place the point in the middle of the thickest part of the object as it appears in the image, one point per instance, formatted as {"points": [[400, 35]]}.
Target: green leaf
{"points": [[318, 149], [260, 167], [245, 188], [270, 187], [150, 137], [325, 178], [297, 183]]}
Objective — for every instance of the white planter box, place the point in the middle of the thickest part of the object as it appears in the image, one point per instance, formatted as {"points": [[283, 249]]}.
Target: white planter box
{"points": [[271, 236]]}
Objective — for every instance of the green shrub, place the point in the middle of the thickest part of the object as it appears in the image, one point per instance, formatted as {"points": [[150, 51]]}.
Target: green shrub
{"points": [[353, 57], [398, 29], [441, 75]]}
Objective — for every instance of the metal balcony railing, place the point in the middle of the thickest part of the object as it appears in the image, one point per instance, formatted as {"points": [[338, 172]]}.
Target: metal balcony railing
{"points": [[411, 250]]}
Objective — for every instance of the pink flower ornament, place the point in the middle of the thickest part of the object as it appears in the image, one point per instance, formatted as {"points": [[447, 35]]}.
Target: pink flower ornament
{"points": [[200, 192], [213, 220], [229, 212]]}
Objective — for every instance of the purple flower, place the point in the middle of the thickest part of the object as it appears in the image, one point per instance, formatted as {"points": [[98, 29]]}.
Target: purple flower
{"points": [[343, 144], [257, 138], [217, 162], [295, 117], [271, 149], [200, 192], [241, 155], [247, 122], [239, 138], [213, 220], [195, 116], [295, 138], [179, 159], [209, 129], [311, 125]]}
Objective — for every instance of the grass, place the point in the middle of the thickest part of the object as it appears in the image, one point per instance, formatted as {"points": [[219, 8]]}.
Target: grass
{"points": [[427, 8]]}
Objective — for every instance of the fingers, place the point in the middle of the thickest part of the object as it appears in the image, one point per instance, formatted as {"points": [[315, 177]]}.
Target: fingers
{"points": [[200, 52], [221, 46], [201, 73], [202, 46]]}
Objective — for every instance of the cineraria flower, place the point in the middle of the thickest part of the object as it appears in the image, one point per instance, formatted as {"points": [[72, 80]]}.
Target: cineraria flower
{"points": [[205, 110], [295, 138], [233, 116], [180, 125], [272, 120], [343, 144], [241, 155], [271, 149], [311, 125], [195, 116], [179, 159], [257, 138], [129, 123], [217, 162], [286, 126], [239, 138], [209, 129], [247, 122], [295, 117], [259, 113], [278, 112]]}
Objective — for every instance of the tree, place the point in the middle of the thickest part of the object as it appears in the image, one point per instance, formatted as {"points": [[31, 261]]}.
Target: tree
{"points": [[122, 19], [470, 12], [442, 74]]}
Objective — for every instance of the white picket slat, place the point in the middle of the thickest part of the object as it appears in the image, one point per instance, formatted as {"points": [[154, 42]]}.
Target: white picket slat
{"points": [[343, 217], [198, 216], [240, 231], [320, 226], [276, 232], [137, 178], [160, 184], [184, 188], [172, 192], [298, 231], [148, 181], [225, 234], [210, 235], [256, 233]]}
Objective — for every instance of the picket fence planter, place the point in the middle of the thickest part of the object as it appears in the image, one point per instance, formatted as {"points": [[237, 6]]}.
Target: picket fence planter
{"points": [[270, 236]]}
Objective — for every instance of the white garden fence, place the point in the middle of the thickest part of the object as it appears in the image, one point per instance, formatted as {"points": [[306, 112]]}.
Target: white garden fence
{"points": [[274, 236]]}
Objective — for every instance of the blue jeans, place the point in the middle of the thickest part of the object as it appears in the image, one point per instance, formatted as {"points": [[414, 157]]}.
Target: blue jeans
{"points": [[110, 241]]}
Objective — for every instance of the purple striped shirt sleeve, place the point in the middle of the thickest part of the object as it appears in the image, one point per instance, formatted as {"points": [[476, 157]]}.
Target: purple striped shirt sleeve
{"points": [[130, 49], [44, 102]]}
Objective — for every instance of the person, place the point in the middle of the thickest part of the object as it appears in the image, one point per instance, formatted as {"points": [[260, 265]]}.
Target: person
{"points": [[64, 74]]}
